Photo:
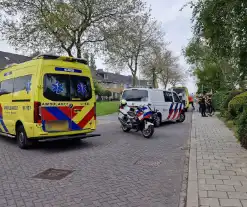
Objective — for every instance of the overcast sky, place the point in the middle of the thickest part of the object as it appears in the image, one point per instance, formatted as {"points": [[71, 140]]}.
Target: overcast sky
{"points": [[176, 24]]}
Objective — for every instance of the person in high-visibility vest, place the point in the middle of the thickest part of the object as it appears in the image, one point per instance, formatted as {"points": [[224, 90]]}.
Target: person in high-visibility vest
{"points": [[191, 101]]}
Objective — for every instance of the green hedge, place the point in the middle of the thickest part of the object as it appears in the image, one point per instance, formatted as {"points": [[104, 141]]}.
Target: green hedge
{"points": [[218, 99], [230, 96], [237, 105], [221, 100], [242, 129]]}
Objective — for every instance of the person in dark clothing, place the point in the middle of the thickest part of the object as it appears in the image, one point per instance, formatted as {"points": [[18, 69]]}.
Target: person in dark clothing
{"points": [[209, 105], [199, 102], [203, 106]]}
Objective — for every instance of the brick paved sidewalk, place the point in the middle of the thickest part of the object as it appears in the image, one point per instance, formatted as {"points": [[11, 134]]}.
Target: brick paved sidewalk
{"points": [[218, 166]]}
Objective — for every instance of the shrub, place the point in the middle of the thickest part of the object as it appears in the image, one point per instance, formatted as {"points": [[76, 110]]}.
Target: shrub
{"points": [[227, 115], [108, 93], [242, 129], [237, 105], [230, 96], [230, 124], [98, 88], [218, 99], [224, 98]]}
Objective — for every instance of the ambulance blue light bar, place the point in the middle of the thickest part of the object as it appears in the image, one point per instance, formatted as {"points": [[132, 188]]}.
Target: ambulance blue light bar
{"points": [[63, 58]]}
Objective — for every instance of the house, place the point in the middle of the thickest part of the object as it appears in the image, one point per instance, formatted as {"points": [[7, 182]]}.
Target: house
{"points": [[114, 82], [7, 58]]}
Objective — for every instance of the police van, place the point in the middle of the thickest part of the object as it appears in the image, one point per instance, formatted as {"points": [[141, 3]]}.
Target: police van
{"points": [[48, 98], [167, 103]]}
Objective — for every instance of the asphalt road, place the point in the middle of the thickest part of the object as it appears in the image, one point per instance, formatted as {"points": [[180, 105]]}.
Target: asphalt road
{"points": [[116, 169]]}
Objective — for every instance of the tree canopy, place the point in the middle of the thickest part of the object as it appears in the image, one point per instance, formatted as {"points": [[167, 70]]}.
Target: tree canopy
{"points": [[122, 31], [130, 42], [67, 25], [218, 50], [162, 66]]}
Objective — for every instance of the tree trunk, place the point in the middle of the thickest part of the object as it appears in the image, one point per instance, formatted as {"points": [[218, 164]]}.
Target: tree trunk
{"points": [[133, 80], [154, 78], [165, 83], [69, 53], [78, 48], [134, 72]]}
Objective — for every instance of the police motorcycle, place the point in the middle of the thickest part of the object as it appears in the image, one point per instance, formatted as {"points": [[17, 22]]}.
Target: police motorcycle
{"points": [[137, 118]]}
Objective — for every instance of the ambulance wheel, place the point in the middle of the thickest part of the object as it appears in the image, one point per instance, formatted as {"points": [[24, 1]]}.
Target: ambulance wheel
{"points": [[21, 137]]}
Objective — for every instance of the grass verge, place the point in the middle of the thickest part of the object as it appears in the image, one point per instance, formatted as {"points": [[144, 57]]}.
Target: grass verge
{"points": [[229, 123], [106, 107]]}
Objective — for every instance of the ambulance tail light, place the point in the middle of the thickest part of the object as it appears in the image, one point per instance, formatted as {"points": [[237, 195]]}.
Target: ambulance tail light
{"points": [[95, 110], [37, 112]]}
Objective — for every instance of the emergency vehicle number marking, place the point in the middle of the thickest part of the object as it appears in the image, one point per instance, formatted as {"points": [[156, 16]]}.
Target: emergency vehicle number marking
{"points": [[26, 108], [11, 108], [68, 70]]}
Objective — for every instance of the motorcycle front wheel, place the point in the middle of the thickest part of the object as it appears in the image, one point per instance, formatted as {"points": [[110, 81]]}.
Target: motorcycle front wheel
{"points": [[147, 133], [125, 128]]}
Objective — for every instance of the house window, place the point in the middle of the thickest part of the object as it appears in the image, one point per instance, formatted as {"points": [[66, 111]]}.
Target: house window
{"points": [[105, 76], [108, 85]]}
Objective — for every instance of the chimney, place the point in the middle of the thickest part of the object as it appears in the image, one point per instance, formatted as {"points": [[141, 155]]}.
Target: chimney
{"points": [[100, 71], [35, 54]]}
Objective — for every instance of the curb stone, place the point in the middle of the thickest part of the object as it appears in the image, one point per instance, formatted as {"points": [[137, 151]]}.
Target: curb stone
{"points": [[184, 185], [183, 191], [192, 190]]}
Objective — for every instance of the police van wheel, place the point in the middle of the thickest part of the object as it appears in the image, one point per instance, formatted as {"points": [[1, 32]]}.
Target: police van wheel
{"points": [[21, 137], [157, 121]]}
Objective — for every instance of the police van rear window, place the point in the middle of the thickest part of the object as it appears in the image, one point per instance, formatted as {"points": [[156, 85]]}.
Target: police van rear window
{"points": [[61, 87], [135, 95]]}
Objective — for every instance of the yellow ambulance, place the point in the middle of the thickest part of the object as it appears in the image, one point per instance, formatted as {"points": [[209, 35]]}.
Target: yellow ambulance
{"points": [[184, 92], [48, 98]]}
